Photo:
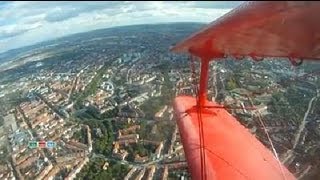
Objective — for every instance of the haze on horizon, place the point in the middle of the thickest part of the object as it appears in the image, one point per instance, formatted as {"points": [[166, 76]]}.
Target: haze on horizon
{"points": [[26, 23]]}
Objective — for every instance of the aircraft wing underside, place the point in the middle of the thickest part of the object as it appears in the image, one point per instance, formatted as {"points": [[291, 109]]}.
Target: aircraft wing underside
{"points": [[231, 151]]}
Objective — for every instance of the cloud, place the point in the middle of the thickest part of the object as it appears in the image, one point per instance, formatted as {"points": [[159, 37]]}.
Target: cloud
{"points": [[4, 34], [64, 11], [14, 30], [217, 4], [25, 23], [61, 15]]}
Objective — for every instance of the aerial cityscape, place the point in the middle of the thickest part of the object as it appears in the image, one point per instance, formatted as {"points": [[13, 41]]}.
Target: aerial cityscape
{"points": [[98, 105]]}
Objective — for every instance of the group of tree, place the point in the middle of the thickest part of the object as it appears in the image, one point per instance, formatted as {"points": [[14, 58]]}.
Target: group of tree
{"points": [[91, 88], [137, 149], [94, 170], [81, 136], [101, 144]]}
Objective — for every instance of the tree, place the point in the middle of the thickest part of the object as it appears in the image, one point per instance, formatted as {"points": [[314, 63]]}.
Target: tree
{"points": [[1, 120], [231, 84]]}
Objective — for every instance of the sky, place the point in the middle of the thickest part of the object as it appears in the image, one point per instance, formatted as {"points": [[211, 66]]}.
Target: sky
{"points": [[25, 23]]}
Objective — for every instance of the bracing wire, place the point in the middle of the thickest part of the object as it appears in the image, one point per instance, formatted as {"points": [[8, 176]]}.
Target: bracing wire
{"points": [[200, 123], [269, 139], [226, 161]]}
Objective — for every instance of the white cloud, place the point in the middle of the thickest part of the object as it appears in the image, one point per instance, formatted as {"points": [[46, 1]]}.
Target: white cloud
{"points": [[26, 23], [8, 31]]}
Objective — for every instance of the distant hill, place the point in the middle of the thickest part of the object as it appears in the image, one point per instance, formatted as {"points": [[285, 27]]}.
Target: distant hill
{"points": [[15, 53]]}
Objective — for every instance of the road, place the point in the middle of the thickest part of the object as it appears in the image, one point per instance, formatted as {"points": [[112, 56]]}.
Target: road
{"points": [[139, 165], [52, 108], [26, 121], [74, 84], [305, 172], [303, 123], [302, 126], [214, 81], [149, 121]]}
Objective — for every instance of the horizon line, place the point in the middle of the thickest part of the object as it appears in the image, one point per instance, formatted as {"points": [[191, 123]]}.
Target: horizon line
{"points": [[72, 34]]}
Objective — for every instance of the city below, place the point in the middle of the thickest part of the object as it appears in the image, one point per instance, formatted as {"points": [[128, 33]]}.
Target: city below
{"points": [[98, 105]]}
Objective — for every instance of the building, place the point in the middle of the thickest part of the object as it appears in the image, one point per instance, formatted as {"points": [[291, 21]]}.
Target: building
{"points": [[129, 130], [119, 153], [89, 138], [128, 137], [158, 150], [165, 173], [10, 123], [152, 170], [132, 170], [159, 114], [139, 159], [52, 173], [141, 174], [105, 165], [77, 169], [43, 173], [77, 144]]}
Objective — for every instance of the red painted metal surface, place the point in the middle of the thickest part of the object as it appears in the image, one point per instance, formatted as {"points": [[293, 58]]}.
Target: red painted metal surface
{"points": [[231, 151], [257, 29], [260, 29], [203, 81]]}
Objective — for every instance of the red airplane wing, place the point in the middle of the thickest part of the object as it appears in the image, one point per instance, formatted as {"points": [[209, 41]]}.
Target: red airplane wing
{"points": [[231, 151], [256, 29], [266, 29]]}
